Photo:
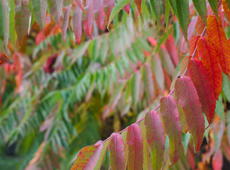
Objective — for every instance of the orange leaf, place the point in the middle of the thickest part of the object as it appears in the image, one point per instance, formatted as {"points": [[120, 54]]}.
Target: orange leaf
{"points": [[208, 54], [216, 36], [88, 157], [193, 45], [226, 9], [138, 3]]}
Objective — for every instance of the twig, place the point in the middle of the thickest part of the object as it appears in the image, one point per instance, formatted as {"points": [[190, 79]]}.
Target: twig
{"points": [[170, 93]]}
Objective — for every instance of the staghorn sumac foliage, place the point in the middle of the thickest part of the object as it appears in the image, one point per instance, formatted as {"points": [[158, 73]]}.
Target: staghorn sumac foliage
{"points": [[199, 76], [187, 98], [77, 57]]}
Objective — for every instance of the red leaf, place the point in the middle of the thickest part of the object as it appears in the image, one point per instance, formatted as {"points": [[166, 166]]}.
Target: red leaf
{"points": [[199, 76], [217, 160], [127, 8], [135, 147], [172, 49], [216, 36], [4, 59], [101, 16], [193, 45], [155, 136], [117, 156], [208, 54], [170, 117], [50, 29], [88, 23], [49, 66], [188, 100], [87, 157]]}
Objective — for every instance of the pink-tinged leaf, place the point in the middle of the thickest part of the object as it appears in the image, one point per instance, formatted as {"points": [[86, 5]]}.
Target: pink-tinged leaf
{"points": [[199, 76], [77, 23], [109, 5], [117, 152], [87, 157], [150, 83], [152, 41], [127, 8], [135, 147], [192, 27], [172, 49], [88, 22], [217, 160], [170, 117], [188, 100], [66, 20], [155, 137], [101, 15]]}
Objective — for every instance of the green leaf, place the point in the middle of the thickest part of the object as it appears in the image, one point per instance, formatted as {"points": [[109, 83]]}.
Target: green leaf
{"points": [[181, 10], [201, 8], [228, 2], [119, 6], [214, 5], [156, 8], [226, 87], [12, 21], [5, 15], [39, 11]]}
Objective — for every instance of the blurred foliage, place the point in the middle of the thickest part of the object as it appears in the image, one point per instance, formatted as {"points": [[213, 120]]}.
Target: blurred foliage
{"points": [[60, 95]]}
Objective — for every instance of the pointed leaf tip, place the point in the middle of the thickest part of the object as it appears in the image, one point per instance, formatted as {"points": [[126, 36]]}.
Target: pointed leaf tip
{"points": [[155, 137], [201, 81], [135, 147], [188, 100], [117, 154], [170, 117], [88, 156]]}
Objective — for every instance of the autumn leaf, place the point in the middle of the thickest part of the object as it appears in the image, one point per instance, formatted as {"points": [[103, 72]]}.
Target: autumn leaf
{"points": [[208, 55], [193, 45], [138, 3], [216, 35], [4, 59], [135, 147], [87, 157], [155, 137], [217, 161], [170, 117], [50, 29], [226, 9], [49, 65], [77, 23], [199, 76], [117, 155], [88, 22], [187, 98]]}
